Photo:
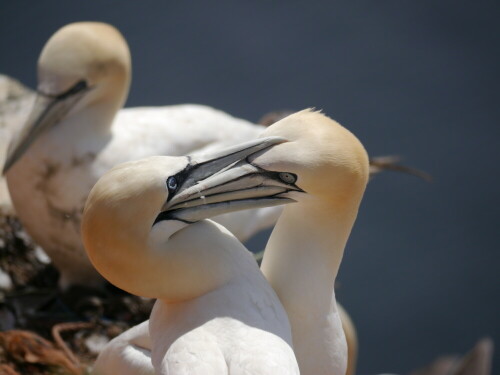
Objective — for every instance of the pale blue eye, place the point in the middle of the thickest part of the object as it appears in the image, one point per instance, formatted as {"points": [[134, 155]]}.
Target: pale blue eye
{"points": [[172, 183], [288, 178]]}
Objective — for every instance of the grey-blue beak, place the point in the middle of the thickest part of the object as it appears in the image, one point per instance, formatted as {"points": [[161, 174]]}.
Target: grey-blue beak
{"points": [[47, 111], [225, 182]]}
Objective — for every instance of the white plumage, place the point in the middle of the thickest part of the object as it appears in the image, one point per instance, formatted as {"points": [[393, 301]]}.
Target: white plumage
{"points": [[240, 328], [127, 354]]}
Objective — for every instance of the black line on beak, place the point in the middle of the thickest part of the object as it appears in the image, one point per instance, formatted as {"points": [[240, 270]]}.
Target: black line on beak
{"points": [[75, 89], [169, 215]]}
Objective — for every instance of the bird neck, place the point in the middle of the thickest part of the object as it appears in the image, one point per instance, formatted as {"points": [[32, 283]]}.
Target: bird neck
{"points": [[113, 97], [109, 101], [94, 118], [301, 263], [306, 247], [174, 267], [198, 259]]}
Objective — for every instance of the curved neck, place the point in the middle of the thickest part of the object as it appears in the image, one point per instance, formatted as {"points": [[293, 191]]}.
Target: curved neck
{"points": [[195, 260], [301, 263], [104, 107], [305, 251], [155, 263], [93, 116], [113, 97]]}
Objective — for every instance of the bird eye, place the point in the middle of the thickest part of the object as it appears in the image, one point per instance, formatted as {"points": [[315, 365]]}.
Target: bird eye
{"points": [[172, 183], [288, 178]]}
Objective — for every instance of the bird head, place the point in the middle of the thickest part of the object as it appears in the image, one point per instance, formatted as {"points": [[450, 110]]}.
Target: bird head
{"points": [[84, 54], [82, 64], [322, 157]]}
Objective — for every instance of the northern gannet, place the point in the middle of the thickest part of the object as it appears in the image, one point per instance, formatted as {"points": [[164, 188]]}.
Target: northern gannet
{"points": [[76, 132], [305, 249], [145, 231], [327, 162]]}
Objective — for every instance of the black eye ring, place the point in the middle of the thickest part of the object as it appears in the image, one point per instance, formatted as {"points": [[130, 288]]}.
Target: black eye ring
{"points": [[288, 178], [172, 184]]}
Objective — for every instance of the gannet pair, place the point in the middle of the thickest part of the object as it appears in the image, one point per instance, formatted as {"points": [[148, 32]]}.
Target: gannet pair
{"points": [[76, 132], [321, 166]]}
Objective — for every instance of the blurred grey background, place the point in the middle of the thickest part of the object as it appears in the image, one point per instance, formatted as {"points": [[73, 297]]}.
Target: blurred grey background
{"points": [[420, 275]]}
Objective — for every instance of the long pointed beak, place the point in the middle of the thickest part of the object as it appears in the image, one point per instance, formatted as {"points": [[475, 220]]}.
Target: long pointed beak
{"points": [[47, 111], [226, 182]]}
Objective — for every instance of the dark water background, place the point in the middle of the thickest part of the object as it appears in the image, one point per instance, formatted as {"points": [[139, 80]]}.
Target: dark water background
{"points": [[416, 78]]}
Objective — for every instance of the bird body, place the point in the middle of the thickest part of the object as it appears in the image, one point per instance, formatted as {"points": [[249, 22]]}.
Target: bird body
{"points": [[130, 352], [239, 328]]}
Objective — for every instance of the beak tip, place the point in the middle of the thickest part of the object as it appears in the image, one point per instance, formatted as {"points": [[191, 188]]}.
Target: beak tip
{"points": [[10, 160], [5, 168]]}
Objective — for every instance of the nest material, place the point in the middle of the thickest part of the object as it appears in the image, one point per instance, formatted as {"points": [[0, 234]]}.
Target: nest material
{"points": [[45, 331]]}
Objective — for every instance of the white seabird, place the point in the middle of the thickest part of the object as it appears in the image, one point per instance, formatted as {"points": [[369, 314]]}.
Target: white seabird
{"points": [[145, 231], [305, 250], [75, 133]]}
